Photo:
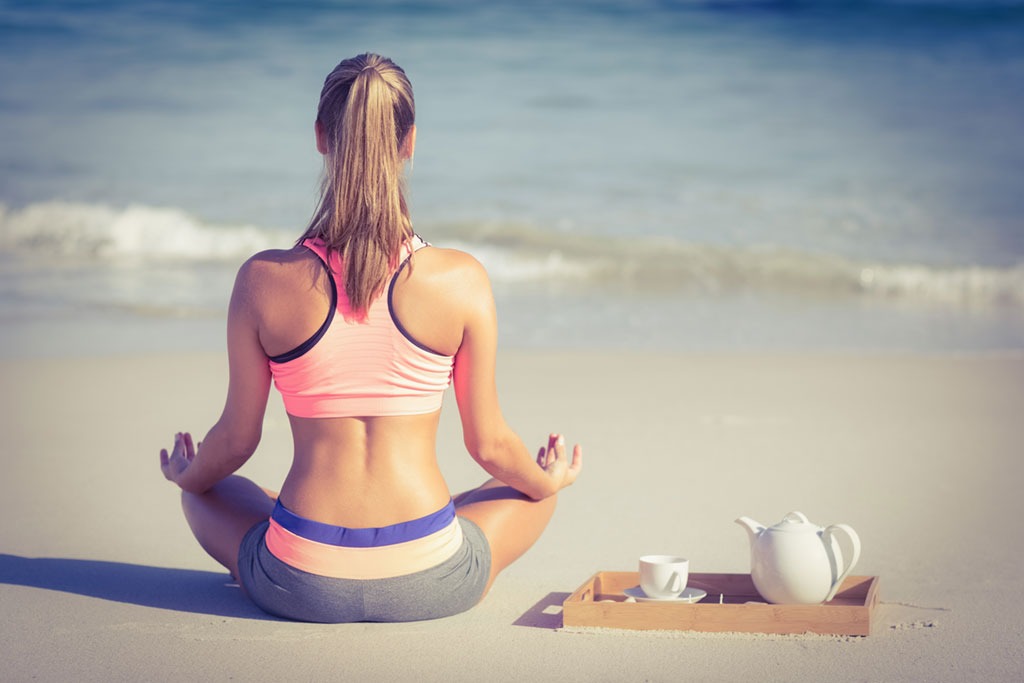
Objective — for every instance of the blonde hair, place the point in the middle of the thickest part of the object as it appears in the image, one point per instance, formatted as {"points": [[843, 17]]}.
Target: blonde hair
{"points": [[366, 112]]}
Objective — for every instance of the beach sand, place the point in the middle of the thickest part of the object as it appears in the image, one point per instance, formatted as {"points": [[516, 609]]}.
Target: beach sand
{"points": [[922, 455]]}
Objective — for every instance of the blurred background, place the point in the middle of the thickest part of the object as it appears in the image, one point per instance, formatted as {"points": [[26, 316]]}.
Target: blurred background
{"points": [[755, 176]]}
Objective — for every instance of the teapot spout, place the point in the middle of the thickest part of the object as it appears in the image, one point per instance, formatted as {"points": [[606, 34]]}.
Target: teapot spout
{"points": [[753, 528]]}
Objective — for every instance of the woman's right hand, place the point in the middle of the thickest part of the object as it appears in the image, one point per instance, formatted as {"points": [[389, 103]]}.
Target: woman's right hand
{"points": [[175, 463], [556, 465]]}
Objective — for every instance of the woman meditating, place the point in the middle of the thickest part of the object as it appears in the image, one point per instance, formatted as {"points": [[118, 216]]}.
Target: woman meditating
{"points": [[362, 326]]}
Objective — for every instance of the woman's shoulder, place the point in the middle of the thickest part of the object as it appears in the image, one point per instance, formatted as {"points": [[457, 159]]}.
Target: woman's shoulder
{"points": [[441, 296], [450, 264], [278, 270], [278, 262], [280, 257], [447, 281]]}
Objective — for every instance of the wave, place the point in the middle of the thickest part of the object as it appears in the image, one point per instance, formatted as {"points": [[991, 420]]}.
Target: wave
{"points": [[99, 231], [515, 254], [663, 265]]}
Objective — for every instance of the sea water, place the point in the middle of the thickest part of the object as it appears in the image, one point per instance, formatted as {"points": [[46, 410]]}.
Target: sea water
{"points": [[633, 174]]}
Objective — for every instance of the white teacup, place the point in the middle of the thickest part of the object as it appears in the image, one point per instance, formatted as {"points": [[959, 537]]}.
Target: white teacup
{"points": [[664, 576]]}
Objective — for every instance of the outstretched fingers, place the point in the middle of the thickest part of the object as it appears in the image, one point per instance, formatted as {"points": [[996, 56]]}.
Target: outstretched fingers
{"points": [[173, 463], [190, 450], [548, 454], [554, 460], [577, 462], [556, 448]]}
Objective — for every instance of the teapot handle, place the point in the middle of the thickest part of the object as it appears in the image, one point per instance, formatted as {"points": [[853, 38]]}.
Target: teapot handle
{"points": [[854, 540]]}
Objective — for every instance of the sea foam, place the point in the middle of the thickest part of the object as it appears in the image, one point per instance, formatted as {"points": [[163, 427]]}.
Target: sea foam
{"points": [[516, 254], [101, 231]]}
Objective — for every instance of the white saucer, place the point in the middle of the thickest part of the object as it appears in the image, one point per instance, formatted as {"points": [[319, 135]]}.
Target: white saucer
{"points": [[690, 594]]}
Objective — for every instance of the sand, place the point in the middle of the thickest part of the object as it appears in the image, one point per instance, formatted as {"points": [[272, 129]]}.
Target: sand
{"points": [[922, 455]]}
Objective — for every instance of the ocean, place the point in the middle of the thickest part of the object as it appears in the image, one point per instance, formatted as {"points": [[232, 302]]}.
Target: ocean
{"points": [[678, 176]]}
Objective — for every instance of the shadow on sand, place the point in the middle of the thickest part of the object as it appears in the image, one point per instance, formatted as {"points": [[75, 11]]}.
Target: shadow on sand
{"points": [[546, 613], [183, 590]]}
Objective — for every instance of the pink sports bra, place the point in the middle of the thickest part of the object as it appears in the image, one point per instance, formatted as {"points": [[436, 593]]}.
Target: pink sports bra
{"points": [[360, 369]]}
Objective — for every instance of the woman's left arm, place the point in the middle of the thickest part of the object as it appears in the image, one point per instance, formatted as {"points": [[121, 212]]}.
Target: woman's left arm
{"points": [[233, 439]]}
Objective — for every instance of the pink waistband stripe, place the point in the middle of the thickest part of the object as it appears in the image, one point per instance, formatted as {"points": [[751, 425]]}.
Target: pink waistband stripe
{"points": [[379, 562]]}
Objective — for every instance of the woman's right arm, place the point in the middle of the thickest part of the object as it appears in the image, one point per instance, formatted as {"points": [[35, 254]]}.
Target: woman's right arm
{"points": [[490, 441], [235, 436]]}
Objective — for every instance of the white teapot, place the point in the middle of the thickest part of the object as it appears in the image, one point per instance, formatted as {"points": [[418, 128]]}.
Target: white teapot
{"points": [[796, 561]]}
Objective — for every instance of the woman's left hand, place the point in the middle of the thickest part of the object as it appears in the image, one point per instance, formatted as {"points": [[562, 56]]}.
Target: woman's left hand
{"points": [[181, 456], [556, 465]]}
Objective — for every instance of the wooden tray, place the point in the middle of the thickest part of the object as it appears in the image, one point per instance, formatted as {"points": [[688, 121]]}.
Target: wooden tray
{"points": [[601, 602]]}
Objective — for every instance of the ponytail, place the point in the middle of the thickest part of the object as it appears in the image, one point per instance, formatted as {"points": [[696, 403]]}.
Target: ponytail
{"points": [[366, 112]]}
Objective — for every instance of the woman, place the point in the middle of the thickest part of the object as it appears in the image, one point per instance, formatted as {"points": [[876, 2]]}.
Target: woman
{"points": [[362, 328]]}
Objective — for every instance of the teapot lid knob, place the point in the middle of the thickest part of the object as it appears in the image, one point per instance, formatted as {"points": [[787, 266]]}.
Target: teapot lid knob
{"points": [[796, 522]]}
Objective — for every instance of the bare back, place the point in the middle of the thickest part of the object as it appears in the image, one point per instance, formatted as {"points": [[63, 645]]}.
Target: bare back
{"points": [[360, 471], [378, 470]]}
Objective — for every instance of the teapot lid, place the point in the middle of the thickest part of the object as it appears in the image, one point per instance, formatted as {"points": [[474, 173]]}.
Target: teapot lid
{"points": [[796, 522]]}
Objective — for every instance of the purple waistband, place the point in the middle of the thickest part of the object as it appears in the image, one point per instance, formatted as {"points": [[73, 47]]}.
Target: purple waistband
{"points": [[370, 537]]}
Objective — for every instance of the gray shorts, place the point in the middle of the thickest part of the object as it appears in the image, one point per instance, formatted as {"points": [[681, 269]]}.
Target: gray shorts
{"points": [[451, 587]]}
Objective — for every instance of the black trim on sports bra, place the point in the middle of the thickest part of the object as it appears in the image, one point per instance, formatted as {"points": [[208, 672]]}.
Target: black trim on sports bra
{"points": [[305, 346], [394, 318]]}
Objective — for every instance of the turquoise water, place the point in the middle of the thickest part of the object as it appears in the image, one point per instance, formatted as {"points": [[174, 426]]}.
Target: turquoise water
{"points": [[672, 175]]}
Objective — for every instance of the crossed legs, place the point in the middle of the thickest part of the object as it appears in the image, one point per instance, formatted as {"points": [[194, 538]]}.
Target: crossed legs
{"points": [[511, 521], [220, 518]]}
